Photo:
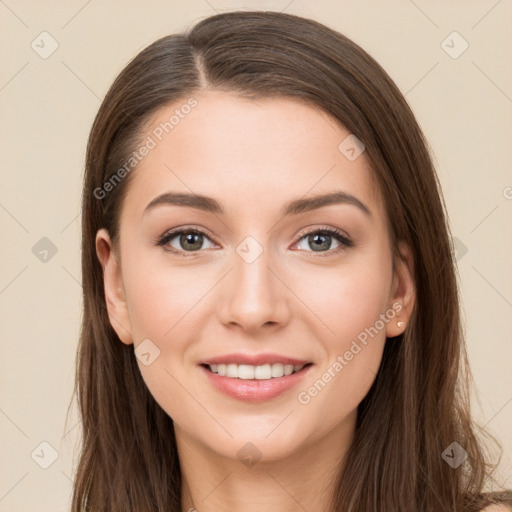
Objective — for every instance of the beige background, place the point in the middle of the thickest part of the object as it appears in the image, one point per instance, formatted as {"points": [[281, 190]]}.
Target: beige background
{"points": [[464, 105]]}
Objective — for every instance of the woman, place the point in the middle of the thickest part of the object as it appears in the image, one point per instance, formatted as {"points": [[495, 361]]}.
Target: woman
{"points": [[271, 317]]}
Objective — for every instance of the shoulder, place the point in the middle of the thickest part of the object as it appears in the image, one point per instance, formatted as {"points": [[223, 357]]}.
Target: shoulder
{"points": [[496, 508]]}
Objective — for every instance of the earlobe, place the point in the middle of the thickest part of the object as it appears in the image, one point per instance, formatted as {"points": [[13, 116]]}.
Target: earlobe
{"points": [[403, 295], [113, 285]]}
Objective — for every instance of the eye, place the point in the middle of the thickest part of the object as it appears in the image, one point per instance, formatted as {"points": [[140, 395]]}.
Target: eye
{"points": [[183, 240], [320, 240], [190, 240]]}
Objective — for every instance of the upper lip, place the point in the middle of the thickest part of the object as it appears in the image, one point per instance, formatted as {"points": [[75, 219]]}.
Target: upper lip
{"points": [[254, 359]]}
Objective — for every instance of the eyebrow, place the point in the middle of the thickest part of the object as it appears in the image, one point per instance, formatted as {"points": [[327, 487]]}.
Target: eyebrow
{"points": [[294, 207]]}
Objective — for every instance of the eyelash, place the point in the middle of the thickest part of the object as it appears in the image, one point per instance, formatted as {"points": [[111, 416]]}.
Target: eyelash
{"points": [[167, 237]]}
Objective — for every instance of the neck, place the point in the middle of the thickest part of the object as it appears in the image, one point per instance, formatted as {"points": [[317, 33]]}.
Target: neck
{"points": [[304, 480]]}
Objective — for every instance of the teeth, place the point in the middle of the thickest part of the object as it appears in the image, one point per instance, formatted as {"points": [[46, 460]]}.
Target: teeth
{"points": [[277, 370], [247, 371], [232, 371], [263, 372]]}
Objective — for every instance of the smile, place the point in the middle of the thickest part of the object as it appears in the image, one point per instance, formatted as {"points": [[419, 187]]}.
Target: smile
{"points": [[247, 371], [254, 383]]}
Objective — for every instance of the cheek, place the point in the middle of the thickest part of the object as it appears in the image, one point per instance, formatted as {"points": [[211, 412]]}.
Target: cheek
{"points": [[163, 304], [160, 298], [350, 303], [346, 299], [167, 306]]}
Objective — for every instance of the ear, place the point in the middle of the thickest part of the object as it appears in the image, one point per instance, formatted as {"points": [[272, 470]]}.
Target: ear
{"points": [[114, 290], [403, 292]]}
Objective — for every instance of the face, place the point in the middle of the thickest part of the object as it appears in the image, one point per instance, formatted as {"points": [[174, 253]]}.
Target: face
{"points": [[260, 281]]}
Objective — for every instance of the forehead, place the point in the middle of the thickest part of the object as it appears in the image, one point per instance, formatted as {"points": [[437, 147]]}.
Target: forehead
{"points": [[253, 155]]}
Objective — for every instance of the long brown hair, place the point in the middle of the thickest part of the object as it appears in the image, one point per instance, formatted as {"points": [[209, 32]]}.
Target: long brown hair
{"points": [[419, 403]]}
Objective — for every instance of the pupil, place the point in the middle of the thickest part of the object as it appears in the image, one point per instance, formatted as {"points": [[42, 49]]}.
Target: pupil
{"points": [[317, 237], [189, 238]]}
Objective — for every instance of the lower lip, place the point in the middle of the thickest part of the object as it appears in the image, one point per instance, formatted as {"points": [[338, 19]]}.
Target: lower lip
{"points": [[255, 390]]}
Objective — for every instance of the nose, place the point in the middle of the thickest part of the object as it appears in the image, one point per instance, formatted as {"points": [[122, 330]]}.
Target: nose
{"points": [[254, 295]]}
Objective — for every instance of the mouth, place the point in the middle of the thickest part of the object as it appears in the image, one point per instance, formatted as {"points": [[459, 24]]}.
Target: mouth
{"points": [[250, 372], [254, 382]]}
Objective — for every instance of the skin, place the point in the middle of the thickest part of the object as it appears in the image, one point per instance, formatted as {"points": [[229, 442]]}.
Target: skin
{"points": [[253, 156]]}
